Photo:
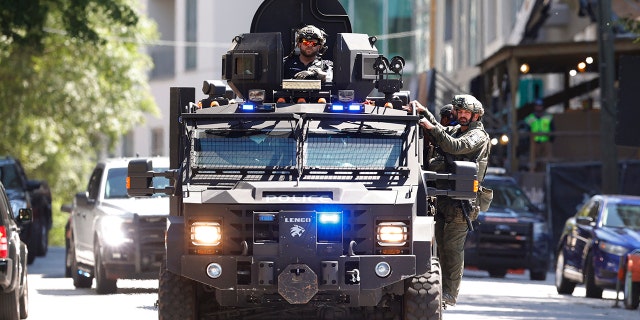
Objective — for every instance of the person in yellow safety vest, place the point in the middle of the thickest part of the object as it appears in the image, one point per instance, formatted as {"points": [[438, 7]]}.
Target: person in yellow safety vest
{"points": [[541, 127]]}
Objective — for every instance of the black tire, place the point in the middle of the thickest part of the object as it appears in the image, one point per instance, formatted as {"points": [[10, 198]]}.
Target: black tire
{"points": [[497, 273], [593, 291], [24, 299], [31, 257], [104, 285], [80, 281], [563, 285], [34, 239], [10, 304], [538, 275], [177, 299], [423, 295], [631, 292], [67, 259], [43, 240]]}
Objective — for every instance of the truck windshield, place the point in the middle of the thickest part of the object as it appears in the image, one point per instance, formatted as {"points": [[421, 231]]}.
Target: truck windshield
{"points": [[352, 150], [9, 177], [116, 187], [224, 148]]}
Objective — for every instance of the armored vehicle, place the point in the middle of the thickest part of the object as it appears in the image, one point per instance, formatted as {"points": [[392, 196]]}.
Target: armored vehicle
{"points": [[312, 207]]}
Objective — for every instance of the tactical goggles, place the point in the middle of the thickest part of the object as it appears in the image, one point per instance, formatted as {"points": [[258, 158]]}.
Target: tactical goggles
{"points": [[309, 43]]}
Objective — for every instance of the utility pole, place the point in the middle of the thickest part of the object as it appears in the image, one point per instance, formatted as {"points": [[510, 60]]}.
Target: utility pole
{"points": [[608, 108]]}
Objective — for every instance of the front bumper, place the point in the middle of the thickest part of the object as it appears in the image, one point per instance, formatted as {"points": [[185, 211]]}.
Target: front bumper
{"points": [[350, 280], [297, 270], [513, 246], [6, 275], [142, 256]]}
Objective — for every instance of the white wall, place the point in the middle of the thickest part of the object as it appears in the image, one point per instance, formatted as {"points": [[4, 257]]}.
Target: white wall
{"points": [[218, 22]]}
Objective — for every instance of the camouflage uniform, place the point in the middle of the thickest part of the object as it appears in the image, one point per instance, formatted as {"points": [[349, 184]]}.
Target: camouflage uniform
{"points": [[451, 226]]}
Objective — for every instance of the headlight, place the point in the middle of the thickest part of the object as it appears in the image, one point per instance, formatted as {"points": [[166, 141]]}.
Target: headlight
{"points": [[113, 232], [392, 233], [206, 233], [612, 248]]}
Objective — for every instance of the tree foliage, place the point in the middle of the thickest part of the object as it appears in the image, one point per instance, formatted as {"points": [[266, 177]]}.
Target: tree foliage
{"points": [[73, 80]]}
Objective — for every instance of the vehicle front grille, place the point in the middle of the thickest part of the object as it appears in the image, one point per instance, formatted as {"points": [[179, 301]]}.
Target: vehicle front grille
{"points": [[504, 239], [241, 225]]}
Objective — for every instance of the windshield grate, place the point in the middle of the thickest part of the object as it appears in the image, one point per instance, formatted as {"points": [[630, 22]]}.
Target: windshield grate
{"points": [[352, 151], [242, 149]]}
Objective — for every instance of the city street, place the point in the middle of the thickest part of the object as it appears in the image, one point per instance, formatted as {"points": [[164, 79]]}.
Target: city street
{"points": [[481, 297]]}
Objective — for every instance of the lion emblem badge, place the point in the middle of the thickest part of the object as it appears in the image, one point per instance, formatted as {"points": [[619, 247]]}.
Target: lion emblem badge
{"points": [[296, 231]]}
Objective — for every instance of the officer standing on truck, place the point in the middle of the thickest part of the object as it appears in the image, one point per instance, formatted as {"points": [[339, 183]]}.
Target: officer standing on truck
{"points": [[466, 141], [311, 42]]}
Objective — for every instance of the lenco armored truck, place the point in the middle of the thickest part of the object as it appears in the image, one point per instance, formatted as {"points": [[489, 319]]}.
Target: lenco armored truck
{"points": [[298, 199]]}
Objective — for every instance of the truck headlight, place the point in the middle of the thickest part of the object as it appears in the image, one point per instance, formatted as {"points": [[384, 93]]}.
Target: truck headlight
{"points": [[113, 232], [206, 233], [392, 234]]}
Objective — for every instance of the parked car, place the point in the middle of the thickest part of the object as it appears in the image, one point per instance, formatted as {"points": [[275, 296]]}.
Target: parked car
{"points": [[512, 234], [112, 236], [14, 292], [33, 194], [595, 241]]}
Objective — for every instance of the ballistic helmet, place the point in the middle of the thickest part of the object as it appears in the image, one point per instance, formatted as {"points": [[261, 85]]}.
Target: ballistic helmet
{"points": [[311, 32], [446, 110], [468, 102]]}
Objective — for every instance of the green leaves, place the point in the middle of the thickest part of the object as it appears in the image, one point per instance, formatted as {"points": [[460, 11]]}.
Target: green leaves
{"points": [[73, 80]]}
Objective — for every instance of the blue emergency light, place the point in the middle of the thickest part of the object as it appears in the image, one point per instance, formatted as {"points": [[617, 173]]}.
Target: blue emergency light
{"points": [[346, 108]]}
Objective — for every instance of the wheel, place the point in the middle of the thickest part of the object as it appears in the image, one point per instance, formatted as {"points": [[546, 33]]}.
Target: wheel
{"points": [[497, 273], [67, 259], [32, 245], [43, 240], [538, 275], [10, 304], [104, 285], [80, 279], [563, 285], [423, 295], [593, 291], [177, 298], [31, 257], [631, 292], [24, 299]]}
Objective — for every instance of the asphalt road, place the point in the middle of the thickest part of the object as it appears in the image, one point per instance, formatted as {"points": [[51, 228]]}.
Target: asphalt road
{"points": [[52, 296]]}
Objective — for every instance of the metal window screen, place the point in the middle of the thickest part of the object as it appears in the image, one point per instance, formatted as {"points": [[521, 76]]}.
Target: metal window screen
{"points": [[243, 149], [362, 151]]}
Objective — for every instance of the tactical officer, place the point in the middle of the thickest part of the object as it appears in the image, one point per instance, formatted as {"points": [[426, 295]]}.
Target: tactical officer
{"points": [[311, 42], [541, 127], [466, 141], [448, 116]]}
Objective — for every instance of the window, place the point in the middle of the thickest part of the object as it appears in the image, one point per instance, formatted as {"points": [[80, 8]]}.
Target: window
{"points": [[191, 57], [94, 184], [157, 141], [127, 144]]}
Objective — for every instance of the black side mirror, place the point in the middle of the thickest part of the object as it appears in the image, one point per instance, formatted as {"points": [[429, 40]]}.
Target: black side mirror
{"points": [[585, 221], [25, 215]]}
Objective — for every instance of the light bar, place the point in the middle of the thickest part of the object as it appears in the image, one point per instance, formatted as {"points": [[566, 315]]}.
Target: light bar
{"points": [[328, 217], [247, 107], [346, 108]]}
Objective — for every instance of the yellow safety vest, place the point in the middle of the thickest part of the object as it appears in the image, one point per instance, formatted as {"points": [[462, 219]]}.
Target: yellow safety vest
{"points": [[540, 125]]}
